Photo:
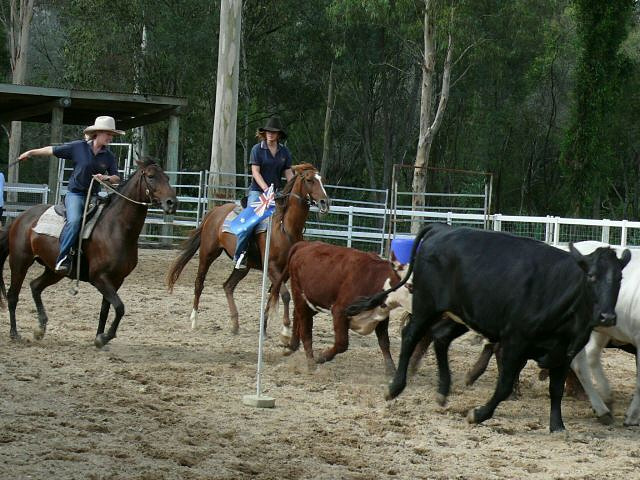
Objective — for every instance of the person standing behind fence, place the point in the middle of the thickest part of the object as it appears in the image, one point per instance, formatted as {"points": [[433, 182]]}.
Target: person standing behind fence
{"points": [[1, 197], [269, 161], [90, 157]]}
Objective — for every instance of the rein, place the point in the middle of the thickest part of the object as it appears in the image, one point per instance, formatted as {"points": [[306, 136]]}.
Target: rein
{"points": [[113, 190]]}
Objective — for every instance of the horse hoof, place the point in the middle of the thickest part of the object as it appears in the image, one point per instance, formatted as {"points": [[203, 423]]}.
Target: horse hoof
{"points": [[606, 419], [235, 329], [15, 337], [311, 365], [471, 416], [38, 333], [285, 339], [101, 340], [441, 399]]}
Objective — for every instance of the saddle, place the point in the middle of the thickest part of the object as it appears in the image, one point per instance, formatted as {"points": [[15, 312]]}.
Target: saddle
{"points": [[94, 202], [52, 220]]}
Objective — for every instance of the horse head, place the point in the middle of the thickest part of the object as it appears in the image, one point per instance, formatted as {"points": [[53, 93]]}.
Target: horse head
{"points": [[156, 185], [310, 187]]}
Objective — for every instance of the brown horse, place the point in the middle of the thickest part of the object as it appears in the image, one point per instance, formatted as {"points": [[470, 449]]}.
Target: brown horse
{"points": [[109, 255], [292, 210]]}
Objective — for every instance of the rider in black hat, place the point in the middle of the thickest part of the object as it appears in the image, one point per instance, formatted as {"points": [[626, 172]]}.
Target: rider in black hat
{"points": [[269, 161]]}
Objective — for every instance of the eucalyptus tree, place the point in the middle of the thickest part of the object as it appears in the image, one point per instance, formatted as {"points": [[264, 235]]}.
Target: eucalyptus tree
{"points": [[17, 24], [223, 143], [592, 145]]}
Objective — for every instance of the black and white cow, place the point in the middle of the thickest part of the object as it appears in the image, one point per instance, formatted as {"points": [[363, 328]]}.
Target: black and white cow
{"points": [[539, 302]]}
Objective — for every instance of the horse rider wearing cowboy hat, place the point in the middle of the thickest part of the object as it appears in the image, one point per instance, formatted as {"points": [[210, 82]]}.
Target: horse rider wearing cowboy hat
{"points": [[269, 161], [90, 157]]}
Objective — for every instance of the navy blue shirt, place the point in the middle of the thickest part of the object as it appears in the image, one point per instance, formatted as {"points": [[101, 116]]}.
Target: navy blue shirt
{"points": [[86, 164], [271, 168]]}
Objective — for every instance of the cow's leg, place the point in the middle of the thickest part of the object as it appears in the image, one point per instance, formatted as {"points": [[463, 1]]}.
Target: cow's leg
{"points": [[513, 362], [481, 364], [632, 417], [497, 350], [593, 350], [48, 277], [303, 329], [285, 333], [424, 316], [382, 332], [341, 335], [580, 367], [443, 334], [229, 286], [420, 350], [557, 377]]}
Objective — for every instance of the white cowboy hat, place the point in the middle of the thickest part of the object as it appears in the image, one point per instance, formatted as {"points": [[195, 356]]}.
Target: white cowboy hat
{"points": [[104, 124]]}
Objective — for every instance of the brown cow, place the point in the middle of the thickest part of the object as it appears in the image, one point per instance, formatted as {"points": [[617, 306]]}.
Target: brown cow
{"points": [[327, 278]]}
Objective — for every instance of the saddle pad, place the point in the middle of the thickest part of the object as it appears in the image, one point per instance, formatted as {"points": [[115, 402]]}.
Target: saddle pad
{"points": [[50, 223], [260, 228]]}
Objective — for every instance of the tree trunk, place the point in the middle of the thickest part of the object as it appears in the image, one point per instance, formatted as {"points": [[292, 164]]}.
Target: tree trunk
{"points": [[139, 140], [18, 29], [223, 143], [326, 144], [429, 125]]}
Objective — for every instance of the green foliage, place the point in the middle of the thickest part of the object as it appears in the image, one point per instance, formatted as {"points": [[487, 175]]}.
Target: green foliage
{"points": [[544, 94], [602, 75]]}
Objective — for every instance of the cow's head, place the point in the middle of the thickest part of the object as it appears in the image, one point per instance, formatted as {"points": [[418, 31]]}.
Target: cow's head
{"points": [[603, 271]]}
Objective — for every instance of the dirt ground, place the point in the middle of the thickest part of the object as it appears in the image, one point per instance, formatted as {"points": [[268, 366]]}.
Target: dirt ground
{"points": [[165, 402]]}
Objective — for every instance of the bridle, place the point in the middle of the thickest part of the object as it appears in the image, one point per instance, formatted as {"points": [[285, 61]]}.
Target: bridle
{"points": [[147, 191]]}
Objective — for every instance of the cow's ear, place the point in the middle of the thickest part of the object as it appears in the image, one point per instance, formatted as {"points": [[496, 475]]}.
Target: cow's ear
{"points": [[626, 257], [581, 259]]}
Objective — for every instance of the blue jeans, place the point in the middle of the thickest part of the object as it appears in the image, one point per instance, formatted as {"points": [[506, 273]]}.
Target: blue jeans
{"points": [[74, 203], [242, 239]]}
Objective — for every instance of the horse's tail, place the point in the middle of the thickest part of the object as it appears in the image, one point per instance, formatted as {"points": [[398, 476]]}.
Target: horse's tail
{"points": [[4, 253], [189, 249], [274, 296], [368, 303]]}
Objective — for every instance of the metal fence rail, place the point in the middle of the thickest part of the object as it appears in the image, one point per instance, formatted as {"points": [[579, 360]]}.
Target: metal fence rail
{"points": [[358, 218]]}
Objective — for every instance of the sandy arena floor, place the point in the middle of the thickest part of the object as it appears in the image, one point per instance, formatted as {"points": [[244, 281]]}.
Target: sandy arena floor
{"points": [[165, 402]]}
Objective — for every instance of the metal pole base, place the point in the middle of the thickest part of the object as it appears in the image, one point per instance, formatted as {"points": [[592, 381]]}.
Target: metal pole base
{"points": [[259, 401]]}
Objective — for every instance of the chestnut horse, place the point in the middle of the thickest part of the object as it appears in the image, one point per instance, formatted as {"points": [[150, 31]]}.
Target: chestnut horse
{"points": [[109, 255], [292, 210]]}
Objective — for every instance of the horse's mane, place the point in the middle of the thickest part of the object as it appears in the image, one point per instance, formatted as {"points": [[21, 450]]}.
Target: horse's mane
{"points": [[281, 202]]}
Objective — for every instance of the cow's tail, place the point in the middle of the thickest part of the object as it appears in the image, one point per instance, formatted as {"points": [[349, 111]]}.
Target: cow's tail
{"points": [[189, 249], [4, 253], [368, 303], [274, 296]]}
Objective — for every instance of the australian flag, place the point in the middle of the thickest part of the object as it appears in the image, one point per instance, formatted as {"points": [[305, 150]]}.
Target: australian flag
{"points": [[254, 213]]}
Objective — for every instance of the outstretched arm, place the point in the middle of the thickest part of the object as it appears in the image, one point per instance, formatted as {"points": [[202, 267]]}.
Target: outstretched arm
{"points": [[40, 152]]}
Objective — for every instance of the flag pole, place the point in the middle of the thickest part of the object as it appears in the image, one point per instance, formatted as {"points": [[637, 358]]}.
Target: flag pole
{"points": [[259, 400]]}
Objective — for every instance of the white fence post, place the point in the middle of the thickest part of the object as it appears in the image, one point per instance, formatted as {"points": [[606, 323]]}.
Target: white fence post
{"points": [[350, 226], [605, 231], [497, 222]]}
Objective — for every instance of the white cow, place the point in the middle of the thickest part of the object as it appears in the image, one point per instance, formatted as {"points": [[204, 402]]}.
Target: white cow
{"points": [[627, 331]]}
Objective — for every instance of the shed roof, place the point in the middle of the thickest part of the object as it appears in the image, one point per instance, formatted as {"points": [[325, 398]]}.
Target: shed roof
{"points": [[81, 107]]}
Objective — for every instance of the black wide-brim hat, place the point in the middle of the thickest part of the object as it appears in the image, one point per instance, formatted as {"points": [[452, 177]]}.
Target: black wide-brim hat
{"points": [[274, 125]]}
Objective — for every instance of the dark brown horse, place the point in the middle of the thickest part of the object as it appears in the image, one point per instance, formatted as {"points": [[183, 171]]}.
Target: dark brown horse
{"points": [[109, 255], [292, 210]]}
